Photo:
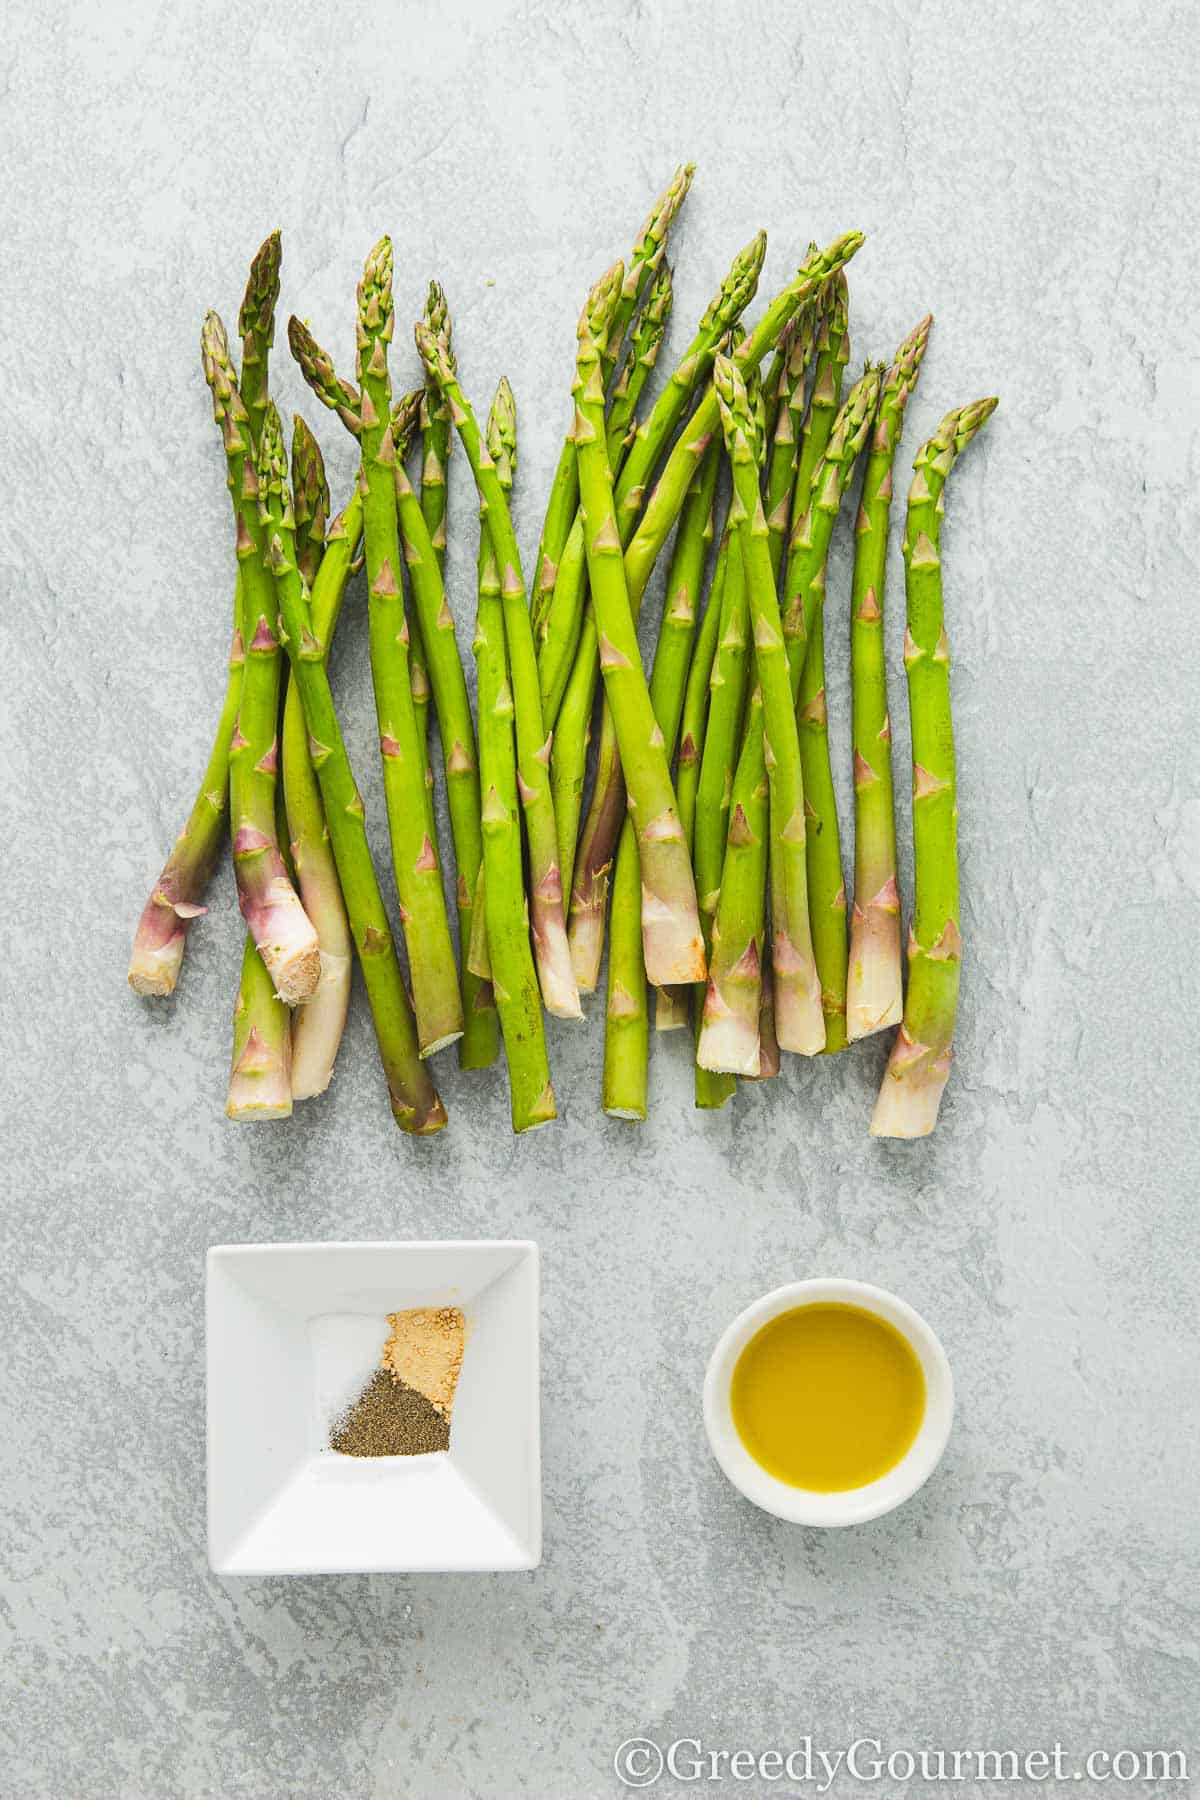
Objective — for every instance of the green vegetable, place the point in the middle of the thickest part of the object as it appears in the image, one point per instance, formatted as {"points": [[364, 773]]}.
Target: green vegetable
{"points": [[510, 961], [533, 745], [270, 905], [797, 997], [479, 1044], [874, 996], [317, 1026], [919, 1065], [415, 1103], [367, 415], [671, 939], [662, 508]]}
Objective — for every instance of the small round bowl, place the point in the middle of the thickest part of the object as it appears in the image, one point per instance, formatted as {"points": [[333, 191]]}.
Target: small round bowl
{"points": [[850, 1506]]}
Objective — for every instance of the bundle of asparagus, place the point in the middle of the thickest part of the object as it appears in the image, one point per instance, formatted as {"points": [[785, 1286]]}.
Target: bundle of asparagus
{"points": [[710, 844]]}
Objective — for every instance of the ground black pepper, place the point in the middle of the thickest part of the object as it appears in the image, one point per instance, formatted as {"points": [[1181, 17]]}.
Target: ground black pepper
{"points": [[389, 1419]]}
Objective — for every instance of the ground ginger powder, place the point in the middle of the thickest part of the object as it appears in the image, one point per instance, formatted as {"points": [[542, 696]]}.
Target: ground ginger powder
{"points": [[425, 1352]]}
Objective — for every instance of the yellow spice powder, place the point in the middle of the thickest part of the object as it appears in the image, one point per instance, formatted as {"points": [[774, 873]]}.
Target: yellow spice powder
{"points": [[425, 1352]]}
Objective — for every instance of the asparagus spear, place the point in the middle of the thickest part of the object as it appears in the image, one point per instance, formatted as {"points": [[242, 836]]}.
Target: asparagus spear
{"points": [[175, 899], [671, 939], [270, 904], [645, 450], [589, 895], [728, 1041], [367, 415], [479, 1044], [533, 745], [260, 1075], [797, 997], [649, 330], [643, 262], [436, 431], [563, 503], [415, 1103], [919, 1064], [685, 581], [782, 462], [695, 696], [436, 437], [317, 1026], [874, 998], [662, 508], [311, 490], [673, 659], [503, 879], [256, 326], [562, 623], [626, 1019], [717, 751], [832, 355]]}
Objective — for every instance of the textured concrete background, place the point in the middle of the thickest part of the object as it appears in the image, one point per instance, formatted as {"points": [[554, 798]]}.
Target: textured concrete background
{"points": [[1026, 171]]}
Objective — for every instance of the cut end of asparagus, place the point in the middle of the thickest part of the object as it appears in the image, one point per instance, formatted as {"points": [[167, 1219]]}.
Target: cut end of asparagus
{"points": [[912, 1089], [295, 970], [874, 987], [671, 1009], [317, 1028], [154, 968]]}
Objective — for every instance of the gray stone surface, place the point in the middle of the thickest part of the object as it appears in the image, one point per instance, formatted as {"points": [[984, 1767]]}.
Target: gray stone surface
{"points": [[1029, 173]]}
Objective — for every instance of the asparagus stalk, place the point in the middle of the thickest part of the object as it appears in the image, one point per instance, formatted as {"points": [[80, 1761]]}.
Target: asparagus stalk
{"points": [[260, 1076], [563, 503], [874, 994], [414, 1099], [782, 462], [533, 745], [593, 863], [317, 1027], [626, 1020], [270, 904], [174, 901], [797, 997], [311, 503], [436, 438], [649, 330], [695, 696], [919, 1064], [367, 415], [502, 874], [673, 659], [662, 508], [563, 620], [681, 603], [832, 354], [256, 327], [671, 940], [717, 752], [728, 1042], [479, 1044], [589, 896], [642, 263]]}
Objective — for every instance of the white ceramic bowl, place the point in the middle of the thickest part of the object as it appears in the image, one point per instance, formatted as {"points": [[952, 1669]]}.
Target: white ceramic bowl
{"points": [[851, 1506], [293, 1331]]}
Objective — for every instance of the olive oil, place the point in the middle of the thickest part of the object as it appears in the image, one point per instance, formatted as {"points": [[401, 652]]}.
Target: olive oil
{"points": [[828, 1397]]}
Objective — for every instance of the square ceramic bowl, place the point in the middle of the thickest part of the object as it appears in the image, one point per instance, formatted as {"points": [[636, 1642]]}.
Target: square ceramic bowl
{"points": [[294, 1332]]}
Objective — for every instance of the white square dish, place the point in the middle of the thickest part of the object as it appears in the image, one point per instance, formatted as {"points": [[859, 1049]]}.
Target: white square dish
{"points": [[286, 1325]]}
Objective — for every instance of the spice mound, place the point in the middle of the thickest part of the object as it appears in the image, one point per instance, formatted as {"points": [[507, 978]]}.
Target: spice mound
{"points": [[404, 1410], [388, 1419]]}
